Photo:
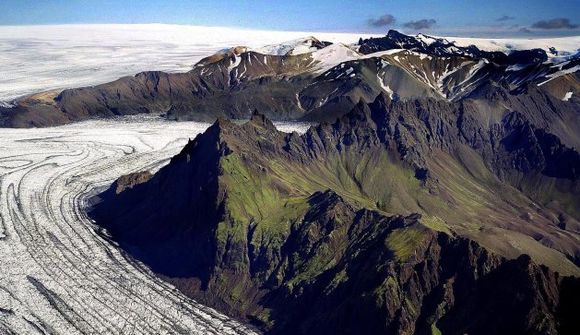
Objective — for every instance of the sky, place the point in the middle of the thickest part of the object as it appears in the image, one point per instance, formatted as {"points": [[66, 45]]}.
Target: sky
{"points": [[492, 18]]}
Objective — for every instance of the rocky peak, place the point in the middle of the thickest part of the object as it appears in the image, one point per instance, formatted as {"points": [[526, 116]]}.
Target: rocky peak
{"points": [[327, 203], [211, 142], [399, 38], [526, 57], [429, 45], [313, 42], [224, 137], [260, 120]]}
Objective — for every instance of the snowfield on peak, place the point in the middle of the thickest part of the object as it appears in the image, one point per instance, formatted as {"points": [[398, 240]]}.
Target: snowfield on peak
{"points": [[293, 47], [333, 55]]}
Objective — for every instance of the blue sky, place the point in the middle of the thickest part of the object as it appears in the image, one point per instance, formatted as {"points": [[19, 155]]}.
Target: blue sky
{"points": [[456, 17]]}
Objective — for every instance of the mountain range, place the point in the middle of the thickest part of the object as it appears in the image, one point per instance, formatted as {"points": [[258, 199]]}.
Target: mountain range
{"points": [[313, 80]]}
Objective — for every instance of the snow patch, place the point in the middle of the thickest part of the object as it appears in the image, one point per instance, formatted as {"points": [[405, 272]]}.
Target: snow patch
{"points": [[6, 104], [567, 96], [560, 73], [299, 103], [235, 63], [385, 88], [428, 40], [516, 67], [564, 45], [293, 47]]}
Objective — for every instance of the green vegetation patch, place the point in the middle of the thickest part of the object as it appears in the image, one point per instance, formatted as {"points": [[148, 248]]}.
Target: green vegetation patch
{"points": [[370, 180], [252, 198], [435, 330], [404, 241], [388, 288], [436, 223]]}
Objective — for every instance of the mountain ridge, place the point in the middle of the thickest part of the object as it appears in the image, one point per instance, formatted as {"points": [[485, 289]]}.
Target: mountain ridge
{"points": [[255, 223]]}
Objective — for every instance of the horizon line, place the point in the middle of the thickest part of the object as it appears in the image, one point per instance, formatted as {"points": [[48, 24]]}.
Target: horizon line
{"points": [[363, 33]]}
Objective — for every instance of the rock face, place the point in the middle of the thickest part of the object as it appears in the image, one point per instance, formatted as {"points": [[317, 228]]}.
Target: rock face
{"points": [[318, 81], [397, 218]]}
